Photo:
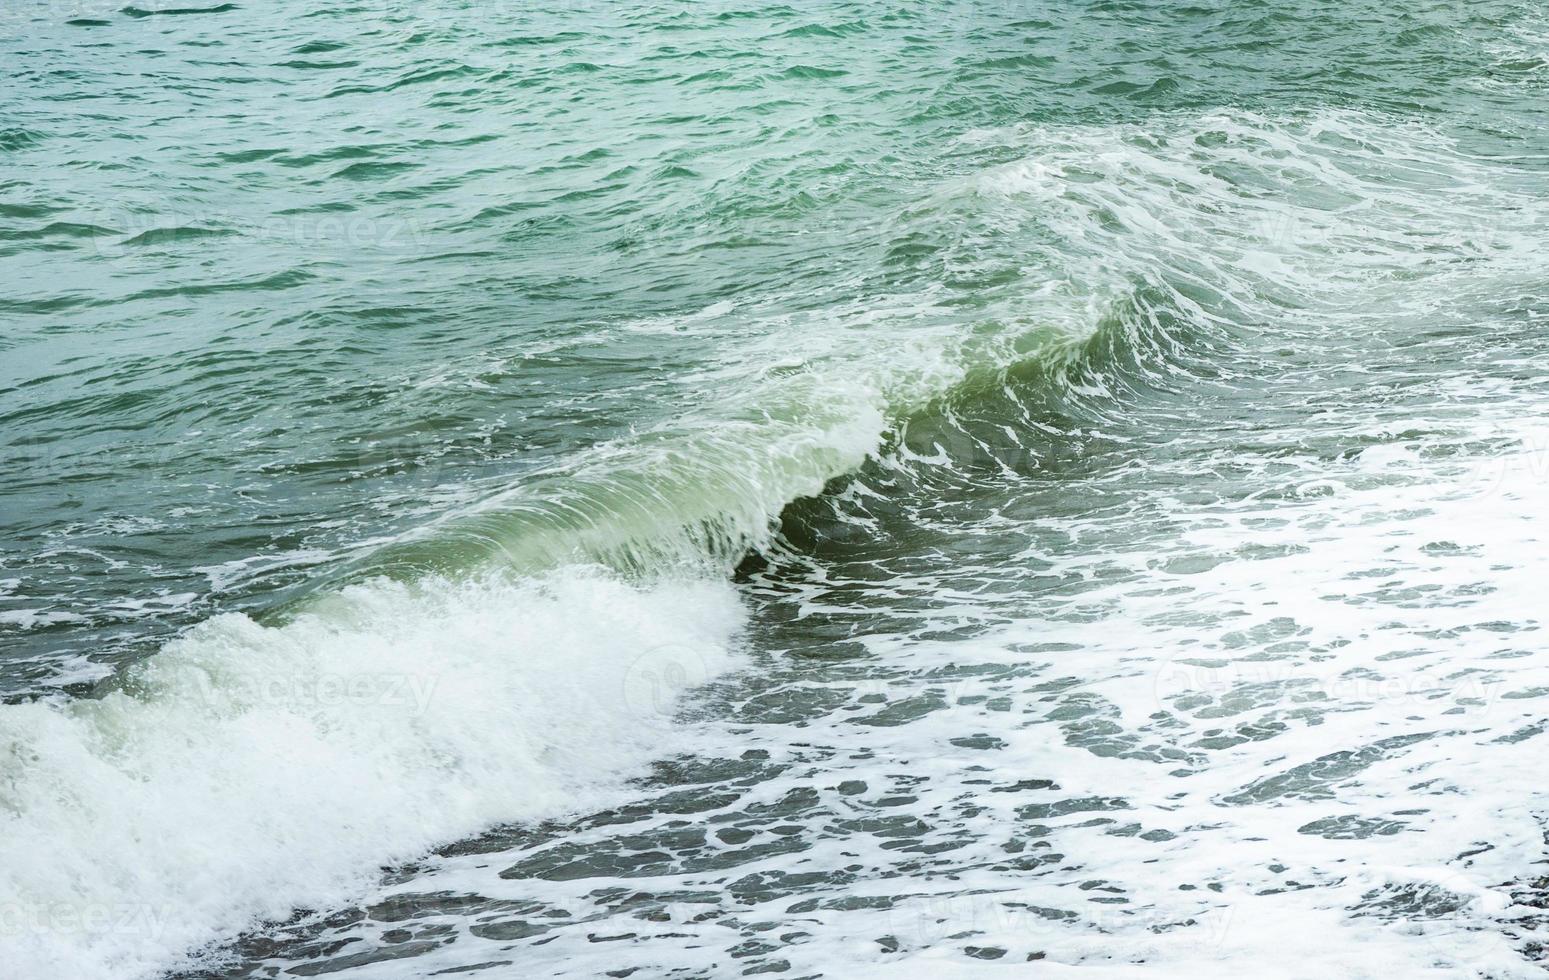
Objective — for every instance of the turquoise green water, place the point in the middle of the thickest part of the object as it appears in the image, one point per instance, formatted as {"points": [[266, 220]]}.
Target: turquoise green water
{"points": [[281, 283], [959, 384]]}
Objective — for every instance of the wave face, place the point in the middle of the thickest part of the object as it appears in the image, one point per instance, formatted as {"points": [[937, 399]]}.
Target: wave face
{"points": [[831, 491]]}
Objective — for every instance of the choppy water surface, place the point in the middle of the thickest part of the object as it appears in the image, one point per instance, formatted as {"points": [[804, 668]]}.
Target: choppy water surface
{"points": [[816, 490]]}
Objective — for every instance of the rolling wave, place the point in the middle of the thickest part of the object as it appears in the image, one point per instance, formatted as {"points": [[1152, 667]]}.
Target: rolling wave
{"points": [[524, 655]]}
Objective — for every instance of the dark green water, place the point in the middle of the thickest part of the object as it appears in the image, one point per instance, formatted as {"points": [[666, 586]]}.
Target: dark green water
{"points": [[1029, 477]]}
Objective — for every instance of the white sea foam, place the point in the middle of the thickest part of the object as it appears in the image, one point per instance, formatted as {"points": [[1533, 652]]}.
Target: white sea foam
{"points": [[1319, 725], [247, 769]]}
